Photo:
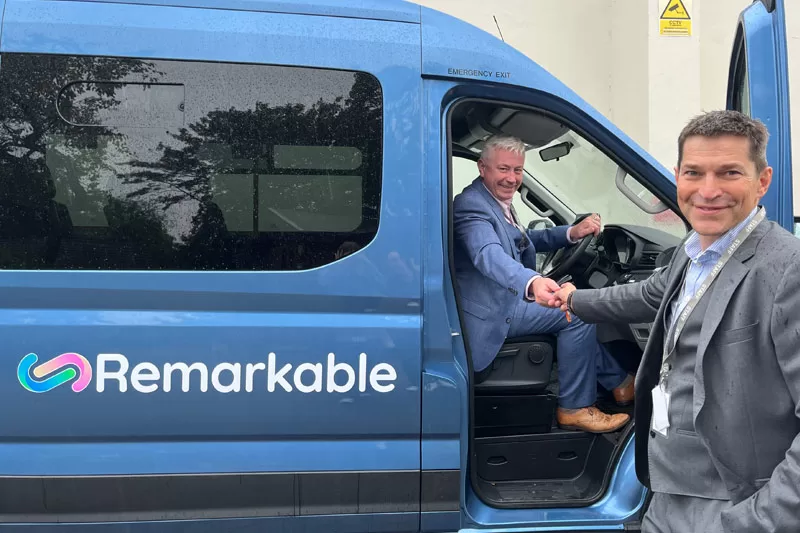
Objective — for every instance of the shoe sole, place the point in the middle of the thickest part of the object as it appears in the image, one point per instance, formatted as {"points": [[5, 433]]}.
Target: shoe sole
{"points": [[578, 428]]}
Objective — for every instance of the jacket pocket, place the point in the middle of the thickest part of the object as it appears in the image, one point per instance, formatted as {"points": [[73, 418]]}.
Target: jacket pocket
{"points": [[732, 336], [474, 308]]}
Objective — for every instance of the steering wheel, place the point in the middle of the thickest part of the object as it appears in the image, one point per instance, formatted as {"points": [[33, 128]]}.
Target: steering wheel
{"points": [[562, 261]]}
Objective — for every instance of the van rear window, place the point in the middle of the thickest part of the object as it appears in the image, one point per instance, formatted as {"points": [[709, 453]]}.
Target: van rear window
{"points": [[134, 164]]}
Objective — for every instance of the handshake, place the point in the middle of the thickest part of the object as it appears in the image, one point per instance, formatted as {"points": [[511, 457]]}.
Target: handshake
{"points": [[548, 293]]}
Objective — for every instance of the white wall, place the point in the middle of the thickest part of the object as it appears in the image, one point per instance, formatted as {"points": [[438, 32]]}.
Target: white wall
{"points": [[630, 58]]}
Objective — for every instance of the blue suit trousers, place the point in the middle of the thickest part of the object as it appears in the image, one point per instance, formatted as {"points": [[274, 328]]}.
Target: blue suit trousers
{"points": [[582, 361]]}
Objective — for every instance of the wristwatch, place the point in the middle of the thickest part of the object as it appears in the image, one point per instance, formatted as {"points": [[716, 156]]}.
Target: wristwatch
{"points": [[569, 302]]}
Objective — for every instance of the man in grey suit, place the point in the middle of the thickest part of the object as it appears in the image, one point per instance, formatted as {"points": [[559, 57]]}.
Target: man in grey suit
{"points": [[718, 389]]}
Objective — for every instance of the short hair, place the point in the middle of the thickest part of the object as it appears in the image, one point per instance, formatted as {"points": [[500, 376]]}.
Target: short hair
{"points": [[729, 122], [502, 142]]}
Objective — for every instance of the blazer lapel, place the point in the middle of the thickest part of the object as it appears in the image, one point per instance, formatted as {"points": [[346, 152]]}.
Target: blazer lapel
{"points": [[650, 366], [674, 284], [720, 296], [674, 287], [498, 213], [676, 271]]}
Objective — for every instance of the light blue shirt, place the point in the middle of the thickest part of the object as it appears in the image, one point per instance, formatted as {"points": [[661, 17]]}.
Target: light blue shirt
{"points": [[701, 262]]}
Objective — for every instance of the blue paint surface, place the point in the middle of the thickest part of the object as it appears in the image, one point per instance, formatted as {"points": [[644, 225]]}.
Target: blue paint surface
{"points": [[227, 317], [768, 81]]}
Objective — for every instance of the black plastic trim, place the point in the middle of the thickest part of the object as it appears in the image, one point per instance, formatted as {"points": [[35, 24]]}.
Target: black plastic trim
{"points": [[441, 490], [738, 51], [213, 496], [769, 4]]}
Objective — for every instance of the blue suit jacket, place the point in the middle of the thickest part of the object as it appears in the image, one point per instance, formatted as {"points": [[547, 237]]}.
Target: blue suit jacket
{"points": [[490, 270]]}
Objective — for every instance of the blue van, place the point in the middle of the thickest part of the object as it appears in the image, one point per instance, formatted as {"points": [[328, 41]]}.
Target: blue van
{"points": [[227, 301]]}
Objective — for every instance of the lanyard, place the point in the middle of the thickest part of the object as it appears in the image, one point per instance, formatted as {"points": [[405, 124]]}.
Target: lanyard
{"points": [[741, 236]]}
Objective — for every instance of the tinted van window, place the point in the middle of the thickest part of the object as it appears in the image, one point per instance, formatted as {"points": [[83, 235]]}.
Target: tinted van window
{"points": [[173, 165]]}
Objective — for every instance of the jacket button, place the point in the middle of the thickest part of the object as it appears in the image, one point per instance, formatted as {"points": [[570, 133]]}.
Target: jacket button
{"points": [[652, 434], [508, 321]]}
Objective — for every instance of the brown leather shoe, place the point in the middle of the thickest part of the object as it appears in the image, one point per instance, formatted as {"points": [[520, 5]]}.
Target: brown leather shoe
{"points": [[591, 419], [624, 395]]}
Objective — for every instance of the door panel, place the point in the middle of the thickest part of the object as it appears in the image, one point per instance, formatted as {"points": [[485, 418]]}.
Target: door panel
{"points": [[445, 397], [226, 246], [758, 86]]}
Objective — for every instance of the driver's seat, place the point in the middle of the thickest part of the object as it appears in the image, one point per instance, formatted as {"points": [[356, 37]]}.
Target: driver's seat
{"points": [[522, 366]]}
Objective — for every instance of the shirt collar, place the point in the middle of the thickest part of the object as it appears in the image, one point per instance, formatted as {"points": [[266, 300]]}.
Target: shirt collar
{"points": [[697, 254], [496, 199]]}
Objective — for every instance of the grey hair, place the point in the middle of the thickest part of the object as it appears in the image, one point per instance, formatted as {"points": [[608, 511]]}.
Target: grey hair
{"points": [[502, 142], [729, 122]]}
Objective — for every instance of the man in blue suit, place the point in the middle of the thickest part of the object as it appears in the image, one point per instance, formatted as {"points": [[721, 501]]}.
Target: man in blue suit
{"points": [[495, 261]]}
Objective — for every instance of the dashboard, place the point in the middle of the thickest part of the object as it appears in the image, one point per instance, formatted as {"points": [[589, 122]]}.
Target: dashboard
{"points": [[624, 254]]}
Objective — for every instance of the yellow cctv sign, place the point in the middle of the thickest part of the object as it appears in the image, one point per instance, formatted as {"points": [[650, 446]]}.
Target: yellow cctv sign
{"points": [[675, 18]]}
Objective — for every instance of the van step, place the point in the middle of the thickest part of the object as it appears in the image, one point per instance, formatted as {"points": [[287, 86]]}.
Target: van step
{"points": [[562, 466]]}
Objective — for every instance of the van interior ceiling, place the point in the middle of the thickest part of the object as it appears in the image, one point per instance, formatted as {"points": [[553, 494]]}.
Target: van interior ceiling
{"points": [[519, 458]]}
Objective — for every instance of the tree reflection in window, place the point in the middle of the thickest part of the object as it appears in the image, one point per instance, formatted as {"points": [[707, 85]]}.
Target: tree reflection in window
{"points": [[130, 164]]}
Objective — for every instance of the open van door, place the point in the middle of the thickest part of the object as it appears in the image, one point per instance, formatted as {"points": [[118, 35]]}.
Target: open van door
{"points": [[758, 85]]}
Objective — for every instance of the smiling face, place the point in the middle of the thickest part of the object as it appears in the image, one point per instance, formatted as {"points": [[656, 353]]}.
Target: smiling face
{"points": [[501, 171], [718, 184]]}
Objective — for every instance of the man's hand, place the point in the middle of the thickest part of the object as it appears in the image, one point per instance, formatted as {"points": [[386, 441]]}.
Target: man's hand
{"points": [[561, 295], [587, 226], [544, 291]]}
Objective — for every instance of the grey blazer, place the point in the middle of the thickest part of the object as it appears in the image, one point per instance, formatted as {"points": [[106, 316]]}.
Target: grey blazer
{"points": [[746, 405]]}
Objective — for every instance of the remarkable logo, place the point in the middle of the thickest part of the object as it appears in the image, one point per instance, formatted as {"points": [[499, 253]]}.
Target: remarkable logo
{"points": [[147, 377], [76, 364]]}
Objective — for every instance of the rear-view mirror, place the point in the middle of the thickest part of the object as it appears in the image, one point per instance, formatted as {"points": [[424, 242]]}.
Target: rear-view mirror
{"points": [[557, 151]]}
